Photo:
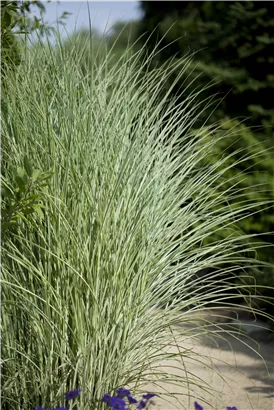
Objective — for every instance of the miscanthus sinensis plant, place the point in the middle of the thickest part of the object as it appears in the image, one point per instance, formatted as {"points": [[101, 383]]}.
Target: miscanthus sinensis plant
{"points": [[92, 288]]}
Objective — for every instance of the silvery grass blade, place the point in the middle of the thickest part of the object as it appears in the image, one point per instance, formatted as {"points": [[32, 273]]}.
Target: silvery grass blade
{"points": [[94, 291]]}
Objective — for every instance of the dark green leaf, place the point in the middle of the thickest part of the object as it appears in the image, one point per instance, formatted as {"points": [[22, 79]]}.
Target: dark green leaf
{"points": [[6, 192], [20, 183]]}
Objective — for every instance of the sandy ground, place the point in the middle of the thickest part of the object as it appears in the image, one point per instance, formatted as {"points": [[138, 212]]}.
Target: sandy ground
{"points": [[239, 375]]}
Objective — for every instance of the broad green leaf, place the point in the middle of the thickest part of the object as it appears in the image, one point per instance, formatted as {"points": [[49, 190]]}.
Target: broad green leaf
{"points": [[6, 18], [21, 172], [35, 175], [39, 211], [28, 166]]}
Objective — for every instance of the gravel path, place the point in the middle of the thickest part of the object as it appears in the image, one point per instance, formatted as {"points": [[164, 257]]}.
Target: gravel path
{"points": [[240, 376]]}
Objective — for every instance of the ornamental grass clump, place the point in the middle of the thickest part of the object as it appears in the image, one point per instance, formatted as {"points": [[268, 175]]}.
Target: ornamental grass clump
{"points": [[93, 284]]}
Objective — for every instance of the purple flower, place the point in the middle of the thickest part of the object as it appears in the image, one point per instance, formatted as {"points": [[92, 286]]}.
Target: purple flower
{"points": [[40, 408], [106, 398], [141, 405], [121, 392], [148, 396], [231, 408], [198, 406], [131, 400], [72, 394], [117, 403]]}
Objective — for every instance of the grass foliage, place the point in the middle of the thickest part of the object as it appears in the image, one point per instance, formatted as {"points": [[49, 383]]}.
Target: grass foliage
{"points": [[91, 288]]}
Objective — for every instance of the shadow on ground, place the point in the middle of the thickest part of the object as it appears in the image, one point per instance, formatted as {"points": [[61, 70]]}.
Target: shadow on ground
{"points": [[257, 344]]}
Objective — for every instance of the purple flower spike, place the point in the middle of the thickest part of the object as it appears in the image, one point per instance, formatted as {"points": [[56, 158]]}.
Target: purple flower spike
{"points": [[121, 392], [131, 400], [148, 396], [117, 403], [231, 408], [72, 394], [198, 406], [141, 405], [106, 398], [40, 408]]}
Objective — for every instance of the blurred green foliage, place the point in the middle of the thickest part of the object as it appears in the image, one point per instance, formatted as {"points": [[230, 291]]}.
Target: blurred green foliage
{"points": [[233, 45], [94, 47], [123, 35], [24, 197], [250, 174]]}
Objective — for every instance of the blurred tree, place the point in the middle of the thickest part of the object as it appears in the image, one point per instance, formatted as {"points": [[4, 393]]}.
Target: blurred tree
{"points": [[233, 42], [123, 34], [248, 168]]}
